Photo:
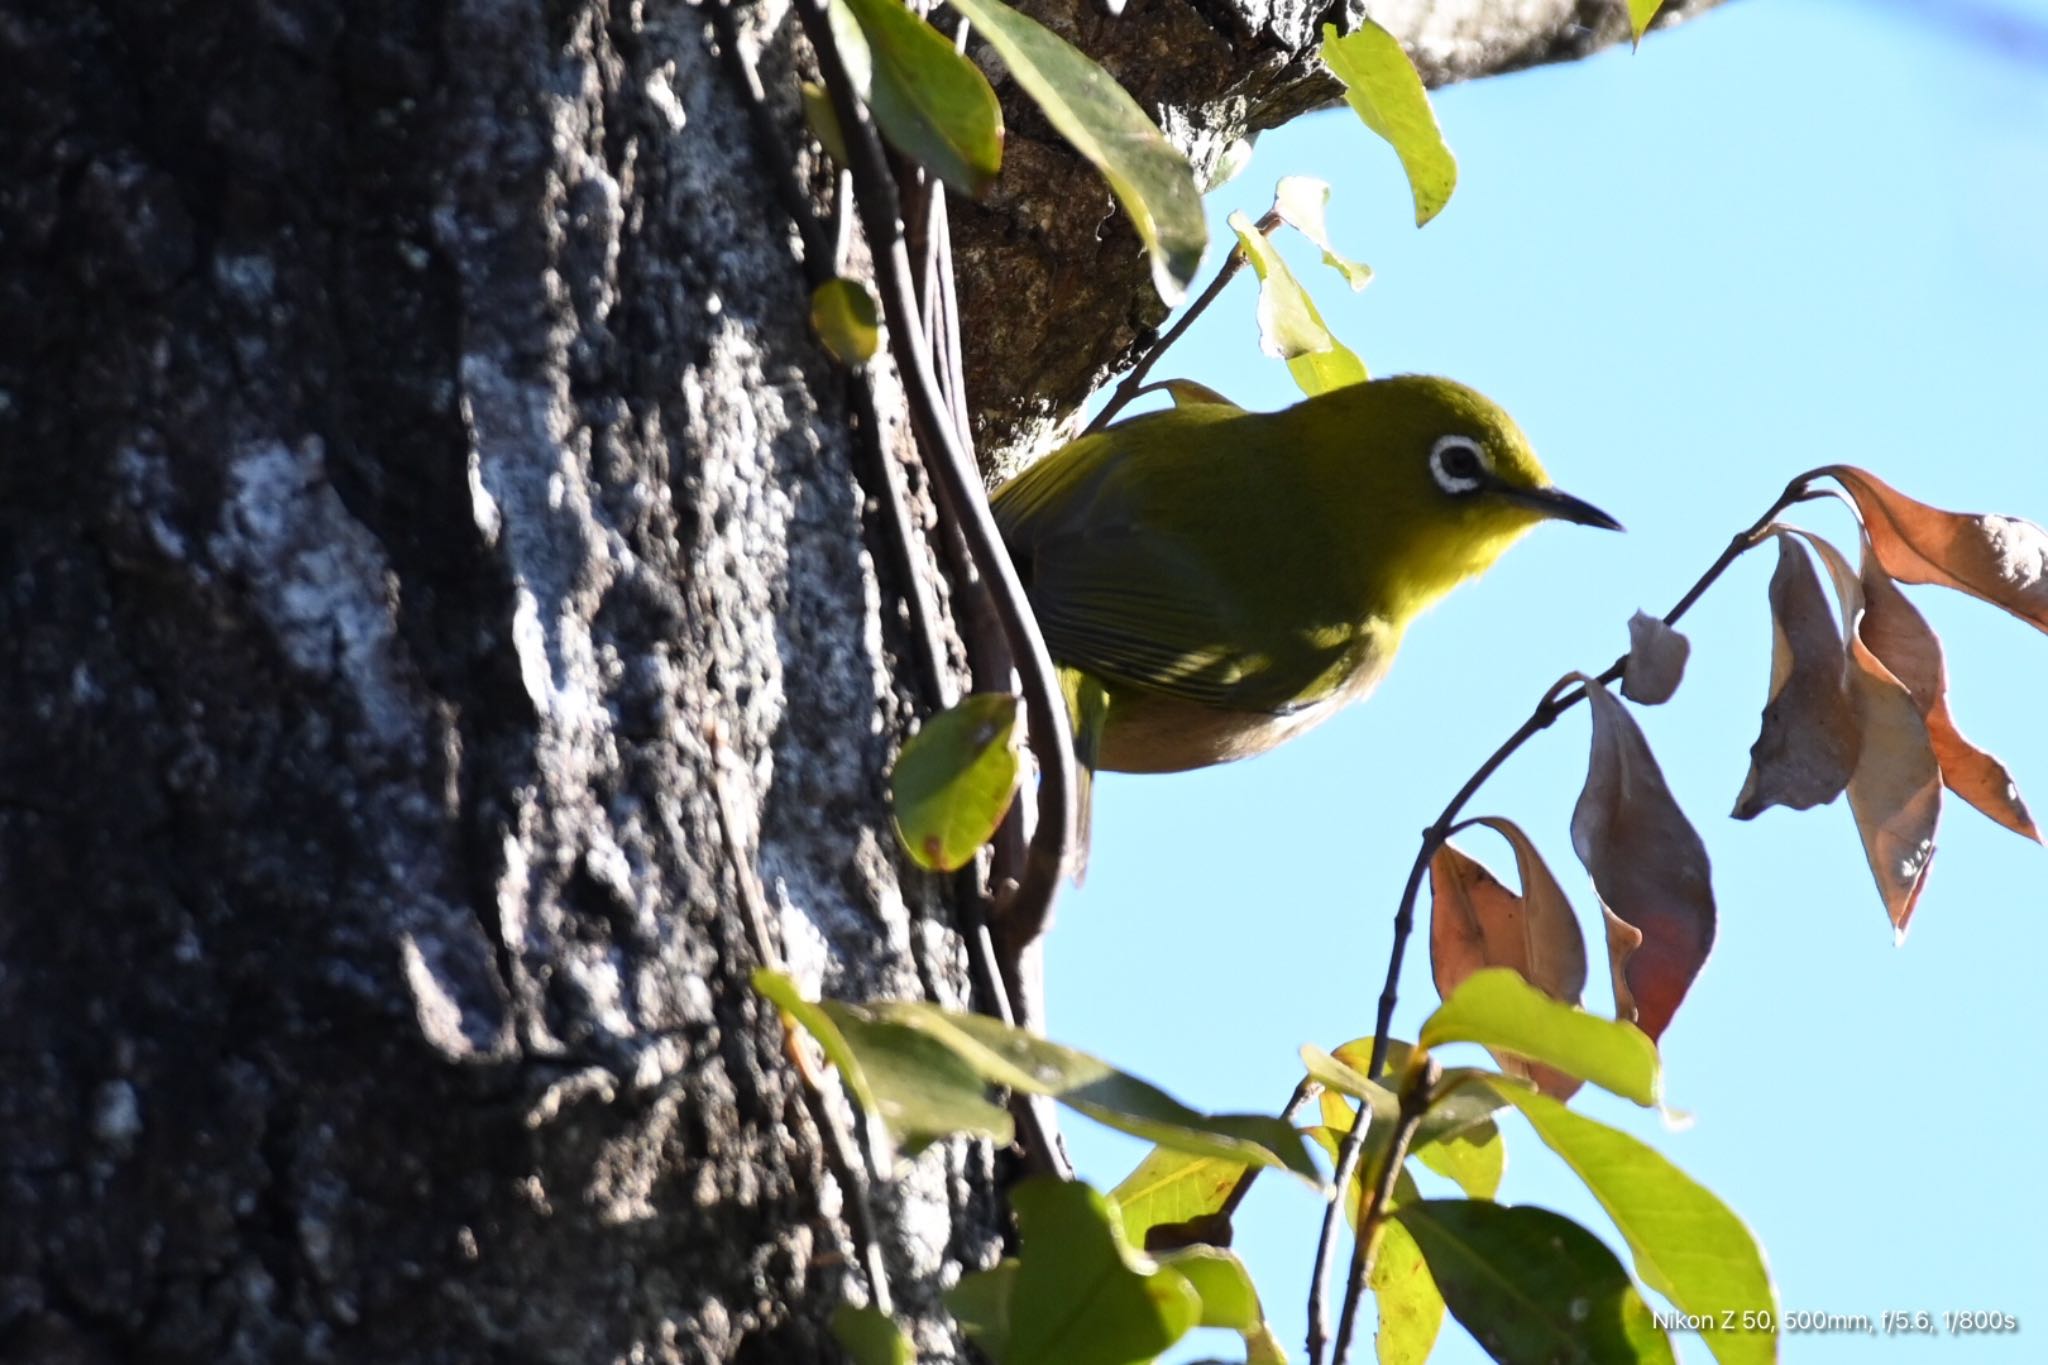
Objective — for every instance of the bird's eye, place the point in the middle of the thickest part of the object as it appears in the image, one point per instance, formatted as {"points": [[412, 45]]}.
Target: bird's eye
{"points": [[1457, 465]]}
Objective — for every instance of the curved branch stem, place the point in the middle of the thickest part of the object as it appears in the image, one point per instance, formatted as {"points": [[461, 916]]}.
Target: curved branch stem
{"points": [[1133, 384], [1416, 1097], [957, 486], [1561, 698]]}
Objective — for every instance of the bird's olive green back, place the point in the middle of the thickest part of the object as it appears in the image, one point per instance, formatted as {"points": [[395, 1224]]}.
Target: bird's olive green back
{"points": [[1246, 560]]}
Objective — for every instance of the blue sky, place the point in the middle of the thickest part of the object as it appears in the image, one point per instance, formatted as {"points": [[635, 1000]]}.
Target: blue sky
{"points": [[1785, 235]]}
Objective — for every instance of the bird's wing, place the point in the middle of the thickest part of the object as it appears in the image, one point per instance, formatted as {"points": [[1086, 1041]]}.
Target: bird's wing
{"points": [[1119, 598], [1136, 608]]}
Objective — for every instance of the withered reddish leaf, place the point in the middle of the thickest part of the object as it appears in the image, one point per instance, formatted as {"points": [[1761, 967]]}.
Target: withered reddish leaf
{"points": [[1903, 641], [1656, 660], [1895, 791], [1476, 922], [2003, 560], [1807, 748], [1623, 939], [1647, 861]]}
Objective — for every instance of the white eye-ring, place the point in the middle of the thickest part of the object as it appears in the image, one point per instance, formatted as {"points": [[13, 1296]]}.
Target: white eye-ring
{"points": [[1458, 464]]}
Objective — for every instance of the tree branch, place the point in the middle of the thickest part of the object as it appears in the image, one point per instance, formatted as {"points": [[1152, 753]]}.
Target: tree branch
{"points": [[1554, 704]]}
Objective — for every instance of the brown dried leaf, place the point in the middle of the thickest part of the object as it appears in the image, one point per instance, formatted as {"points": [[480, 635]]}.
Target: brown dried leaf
{"points": [[1807, 748], [2003, 560], [1895, 791], [1656, 660], [1476, 922], [1647, 861], [1903, 641], [1623, 939]]}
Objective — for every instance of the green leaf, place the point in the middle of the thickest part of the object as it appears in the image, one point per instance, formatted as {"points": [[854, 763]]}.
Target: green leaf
{"points": [[847, 319], [955, 779], [921, 1090], [1011, 1057], [1186, 392], [823, 120], [1225, 1286], [1533, 1286], [1474, 1157], [1301, 200], [1083, 1297], [871, 1337], [928, 99], [1496, 1007], [1172, 1186], [1084, 103], [1454, 1109], [1381, 85], [981, 1304], [908, 1089], [1228, 1299], [1688, 1245], [1640, 13], [1289, 325], [1411, 1311], [781, 991]]}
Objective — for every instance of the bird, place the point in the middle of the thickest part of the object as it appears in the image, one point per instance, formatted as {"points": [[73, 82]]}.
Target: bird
{"points": [[1212, 582]]}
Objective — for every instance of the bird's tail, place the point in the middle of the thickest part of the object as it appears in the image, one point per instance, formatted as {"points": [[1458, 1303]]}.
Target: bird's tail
{"points": [[1088, 710]]}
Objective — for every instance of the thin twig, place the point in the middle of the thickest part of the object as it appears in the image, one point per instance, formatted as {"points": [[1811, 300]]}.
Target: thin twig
{"points": [[1306, 1089], [1133, 384], [1558, 700], [1416, 1097], [956, 483], [1554, 704]]}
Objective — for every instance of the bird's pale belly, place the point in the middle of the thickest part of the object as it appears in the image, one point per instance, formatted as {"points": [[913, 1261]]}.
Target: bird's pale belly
{"points": [[1151, 732]]}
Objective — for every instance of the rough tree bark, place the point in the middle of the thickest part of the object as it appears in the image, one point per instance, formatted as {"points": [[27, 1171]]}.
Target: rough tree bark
{"points": [[420, 498]]}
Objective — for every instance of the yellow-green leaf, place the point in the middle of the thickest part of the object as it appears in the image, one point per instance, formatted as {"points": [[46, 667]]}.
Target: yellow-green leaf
{"points": [[1301, 200], [1148, 174], [871, 1337], [847, 319], [955, 780], [1011, 1057], [981, 1303], [1474, 1157], [1382, 87], [908, 1089], [1496, 1007], [1411, 1311], [823, 121], [1172, 1186], [921, 1090], [1688, 1245], [1290, 326], [928, 99], [1185, 392], [1640, 13], [1081, 1295]]}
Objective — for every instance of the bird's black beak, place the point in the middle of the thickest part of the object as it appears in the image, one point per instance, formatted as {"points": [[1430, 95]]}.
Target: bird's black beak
{"points": [[1555, 502]]}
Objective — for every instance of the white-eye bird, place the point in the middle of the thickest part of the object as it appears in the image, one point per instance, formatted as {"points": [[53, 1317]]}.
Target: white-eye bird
{"points": [[1213, 581]]}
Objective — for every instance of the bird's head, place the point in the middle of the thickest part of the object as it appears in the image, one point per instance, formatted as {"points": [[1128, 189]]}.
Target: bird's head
{"points": [[1462, 474]]}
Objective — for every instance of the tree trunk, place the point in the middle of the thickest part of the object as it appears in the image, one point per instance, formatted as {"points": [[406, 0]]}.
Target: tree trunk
{"points": [[422, 507]]}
